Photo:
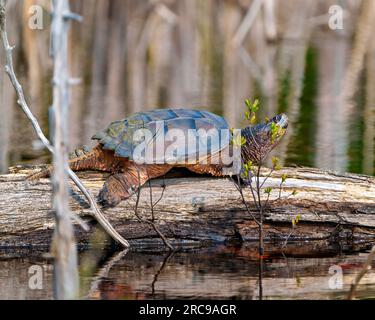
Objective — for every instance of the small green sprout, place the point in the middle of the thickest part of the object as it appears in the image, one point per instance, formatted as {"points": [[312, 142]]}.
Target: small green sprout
{"points": [[237, 140], [276, 163], [296, 220], [245, 174], [252, 109], [268, 190], [298, 281], [248, 168], [275, 131], [283, 178]]}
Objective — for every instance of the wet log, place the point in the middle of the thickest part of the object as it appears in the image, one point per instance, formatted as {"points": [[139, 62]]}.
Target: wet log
{"points": [[200, 210]]}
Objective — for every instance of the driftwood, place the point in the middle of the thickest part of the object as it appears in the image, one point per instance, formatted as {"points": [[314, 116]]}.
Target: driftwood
{"points": [[201, 210]]}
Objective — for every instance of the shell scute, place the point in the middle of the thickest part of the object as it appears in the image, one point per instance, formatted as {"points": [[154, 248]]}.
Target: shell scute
{"points": [[119, 136]]}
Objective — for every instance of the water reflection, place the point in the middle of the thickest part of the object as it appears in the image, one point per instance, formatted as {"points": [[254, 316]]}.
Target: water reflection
{"points": [[215, 273]]}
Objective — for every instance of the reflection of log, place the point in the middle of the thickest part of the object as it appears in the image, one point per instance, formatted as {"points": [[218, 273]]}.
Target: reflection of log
{"points": [[331, 206]]}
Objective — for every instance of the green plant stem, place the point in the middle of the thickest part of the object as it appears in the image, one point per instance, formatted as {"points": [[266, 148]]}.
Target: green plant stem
{"points": [[261, 240], [245, 203]]}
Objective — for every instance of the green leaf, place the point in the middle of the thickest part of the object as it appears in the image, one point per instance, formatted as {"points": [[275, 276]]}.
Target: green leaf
{"points": [[255, 106], [268, 190], [253, 119], [275, 161], [237, 140], [252, 109], [283, 178], [247, 115]]}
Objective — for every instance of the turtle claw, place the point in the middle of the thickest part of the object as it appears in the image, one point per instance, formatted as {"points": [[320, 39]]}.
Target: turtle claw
{"points": [[72, 155], [80, 152], [86, 149]]}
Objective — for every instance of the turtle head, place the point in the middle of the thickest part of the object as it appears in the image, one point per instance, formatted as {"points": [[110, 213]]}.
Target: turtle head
{"points": [[262, 138]]}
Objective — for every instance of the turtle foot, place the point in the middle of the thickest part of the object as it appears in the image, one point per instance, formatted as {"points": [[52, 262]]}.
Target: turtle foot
{"points": [[107, 199]]}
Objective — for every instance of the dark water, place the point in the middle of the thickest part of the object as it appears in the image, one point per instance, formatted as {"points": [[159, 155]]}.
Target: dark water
{"points": [[216, 273]]}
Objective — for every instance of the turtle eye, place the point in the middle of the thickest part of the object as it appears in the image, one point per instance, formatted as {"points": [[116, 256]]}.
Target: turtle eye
{"points": [[276, 119], [281, 120]]}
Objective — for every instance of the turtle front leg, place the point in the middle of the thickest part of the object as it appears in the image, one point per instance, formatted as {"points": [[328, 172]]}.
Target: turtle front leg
{"points": [[121, 185]]}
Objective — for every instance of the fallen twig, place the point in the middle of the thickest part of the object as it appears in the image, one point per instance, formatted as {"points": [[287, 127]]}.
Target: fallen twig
{"points": [[366, 267], [9, 69]]}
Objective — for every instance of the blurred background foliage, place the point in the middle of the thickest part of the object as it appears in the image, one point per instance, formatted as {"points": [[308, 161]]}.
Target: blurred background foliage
{"points": [[212, 54]]}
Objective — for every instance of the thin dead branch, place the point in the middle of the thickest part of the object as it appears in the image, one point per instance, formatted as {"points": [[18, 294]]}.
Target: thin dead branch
{"points": [[9, 69], [151, 222], [64, 249], [366, 268]]}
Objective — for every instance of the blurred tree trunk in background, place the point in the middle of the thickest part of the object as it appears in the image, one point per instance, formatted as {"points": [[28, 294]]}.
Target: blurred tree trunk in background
{"points": [[7, 97], [363, 34], [334, 51], [297, 35], [369, 114], [63, 247]]}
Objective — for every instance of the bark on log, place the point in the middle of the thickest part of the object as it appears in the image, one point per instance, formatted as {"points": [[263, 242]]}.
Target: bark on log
{"points": [[201, 210]]}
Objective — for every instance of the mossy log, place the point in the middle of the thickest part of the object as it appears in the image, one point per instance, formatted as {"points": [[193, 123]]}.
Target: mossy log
{"points": [[200, 210]]}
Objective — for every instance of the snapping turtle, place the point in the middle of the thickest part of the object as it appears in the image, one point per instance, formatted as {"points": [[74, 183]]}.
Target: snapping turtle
{"points": [[173, 138]]}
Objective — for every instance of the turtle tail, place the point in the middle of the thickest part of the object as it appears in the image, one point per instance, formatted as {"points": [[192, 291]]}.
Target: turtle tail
{"points": [[80, 159]]}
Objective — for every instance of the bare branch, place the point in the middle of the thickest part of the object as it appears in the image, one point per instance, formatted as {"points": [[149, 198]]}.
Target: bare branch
{"points": [[266, 178], [247, 22], [366, 267], [22, 103], [152, 221], [238, 187], [66, 279]]}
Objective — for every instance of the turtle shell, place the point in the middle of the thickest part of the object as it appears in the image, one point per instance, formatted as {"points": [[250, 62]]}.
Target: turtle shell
{"points": [[172, 135]]}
